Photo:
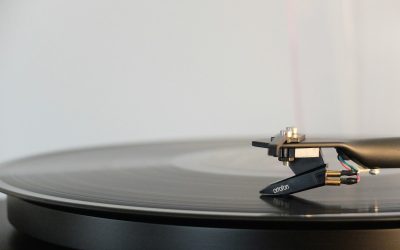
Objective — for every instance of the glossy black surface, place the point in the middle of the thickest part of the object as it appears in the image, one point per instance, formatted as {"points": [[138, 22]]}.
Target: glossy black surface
{"points": [[217, 180], [92, 231], [11, 239]]}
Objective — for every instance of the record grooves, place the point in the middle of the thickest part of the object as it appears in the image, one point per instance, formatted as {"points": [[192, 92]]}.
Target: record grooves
{"points": [[185, 195]]}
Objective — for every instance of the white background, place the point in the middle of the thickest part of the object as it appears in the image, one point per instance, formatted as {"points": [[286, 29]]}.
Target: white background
{"points": [[80, 73]]}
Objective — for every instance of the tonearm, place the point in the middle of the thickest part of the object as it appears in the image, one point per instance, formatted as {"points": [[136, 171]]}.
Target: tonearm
{"points": [[304, 158]]}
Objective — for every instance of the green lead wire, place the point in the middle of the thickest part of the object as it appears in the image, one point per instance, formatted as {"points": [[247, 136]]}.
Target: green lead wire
{"points": [[347, 164]]}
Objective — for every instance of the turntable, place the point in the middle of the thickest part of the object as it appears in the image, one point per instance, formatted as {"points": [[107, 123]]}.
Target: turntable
{"points": [[192, 195]]}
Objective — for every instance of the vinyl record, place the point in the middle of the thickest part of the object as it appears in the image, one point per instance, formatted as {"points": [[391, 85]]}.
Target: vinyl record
{"points": [[204, 180]]}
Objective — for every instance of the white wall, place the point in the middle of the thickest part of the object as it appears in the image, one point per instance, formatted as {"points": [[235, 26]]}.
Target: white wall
{"points": [[77, 73]]}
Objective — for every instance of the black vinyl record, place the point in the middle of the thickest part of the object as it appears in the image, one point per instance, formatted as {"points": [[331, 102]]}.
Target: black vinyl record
{"points": [[203, 180]]}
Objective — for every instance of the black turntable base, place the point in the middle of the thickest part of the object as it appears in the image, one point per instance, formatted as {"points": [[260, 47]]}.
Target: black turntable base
{"points": [[191, 195]]}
